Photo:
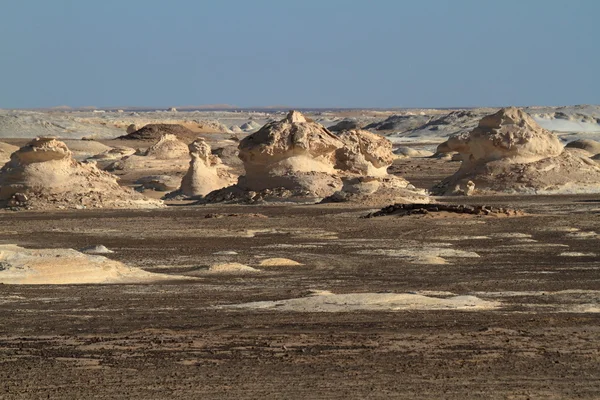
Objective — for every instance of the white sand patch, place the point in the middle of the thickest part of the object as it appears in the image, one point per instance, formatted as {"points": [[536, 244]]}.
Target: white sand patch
{"points": [[226, 253], [292, 246], [510, 235], [278, 262], [583, 235], [576, 254], [459, 238], [584, 308], [329, 302], [422, 255], [225, 268], [558, 229], [66, 266], [97, 249]]}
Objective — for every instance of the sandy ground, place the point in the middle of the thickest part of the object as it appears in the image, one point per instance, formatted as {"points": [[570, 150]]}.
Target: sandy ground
{"points": [[423, 307]]}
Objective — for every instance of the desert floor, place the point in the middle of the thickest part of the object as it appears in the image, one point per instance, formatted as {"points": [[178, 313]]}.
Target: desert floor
{"points": [[183, 340]]}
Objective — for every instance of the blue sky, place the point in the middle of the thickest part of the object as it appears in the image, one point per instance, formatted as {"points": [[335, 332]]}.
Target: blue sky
{"points": [[309, 53]]}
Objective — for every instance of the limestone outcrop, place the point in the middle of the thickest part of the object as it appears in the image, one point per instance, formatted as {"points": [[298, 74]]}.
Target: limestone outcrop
{"points": [[294, 153], [297, 159], [206, 173], [508, 152], [44, 175]]}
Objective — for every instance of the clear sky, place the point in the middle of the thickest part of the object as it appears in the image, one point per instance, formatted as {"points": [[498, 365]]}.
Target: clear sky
{"points": [[302, 53]]}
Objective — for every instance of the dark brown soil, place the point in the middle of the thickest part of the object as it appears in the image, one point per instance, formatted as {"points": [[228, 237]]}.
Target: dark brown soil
{"points": [[153, 132], [176, 341]]}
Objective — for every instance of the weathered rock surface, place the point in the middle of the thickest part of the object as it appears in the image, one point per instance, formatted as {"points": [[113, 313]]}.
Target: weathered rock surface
{"points": [[364, 153], [44, 175], [510, 153], [294, 154], [205, 174], [295, 159]]}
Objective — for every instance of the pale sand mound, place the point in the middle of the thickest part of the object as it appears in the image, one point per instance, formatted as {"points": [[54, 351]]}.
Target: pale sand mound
{"points": [[509, 153], [278, 262], [66, 266], [205, 174], [408, 152], [325, 301], [167, 148], [82, 149], [5, 151], [44, 175], [231, 268], [160, 183]]}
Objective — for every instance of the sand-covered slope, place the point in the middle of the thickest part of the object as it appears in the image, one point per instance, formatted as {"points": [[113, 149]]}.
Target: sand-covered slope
{"points": [[66, 266]]}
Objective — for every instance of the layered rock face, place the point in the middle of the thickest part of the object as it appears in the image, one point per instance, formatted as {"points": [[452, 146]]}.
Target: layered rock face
{"points": [[44, 175], [364, 153], [509, 152], [510, 135], [206, 172], [363, 162], [294, 153]]}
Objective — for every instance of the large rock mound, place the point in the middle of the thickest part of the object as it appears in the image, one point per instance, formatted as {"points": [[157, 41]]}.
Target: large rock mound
{"points": [[44, 175], [294, 153], [300, 160], [66, 266], [363, 162], [364, 153], [509, 152]]}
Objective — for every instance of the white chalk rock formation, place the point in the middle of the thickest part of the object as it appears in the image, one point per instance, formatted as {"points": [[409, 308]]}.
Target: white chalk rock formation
{"points": [[44, 175], [206, 172], [167, 148], [510, 135], [22, 266], [364, 153], [295, 154], [363, 162], [510, 153], [300, 160]]}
